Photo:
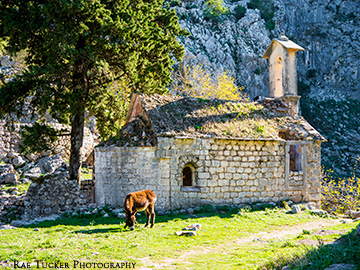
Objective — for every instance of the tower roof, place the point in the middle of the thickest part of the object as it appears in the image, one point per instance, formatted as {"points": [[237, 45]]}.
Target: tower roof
{"points": [[285, 42]]}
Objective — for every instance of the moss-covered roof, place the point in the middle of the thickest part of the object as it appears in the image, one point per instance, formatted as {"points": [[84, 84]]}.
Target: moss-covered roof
{"points": [[166, 115]]}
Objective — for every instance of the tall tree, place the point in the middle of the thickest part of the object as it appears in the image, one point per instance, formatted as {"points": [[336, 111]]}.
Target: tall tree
{"points": [[77, 49]]}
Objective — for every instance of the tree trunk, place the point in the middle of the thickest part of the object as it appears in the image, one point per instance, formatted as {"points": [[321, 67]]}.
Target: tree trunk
{"points": [[77, 137]]}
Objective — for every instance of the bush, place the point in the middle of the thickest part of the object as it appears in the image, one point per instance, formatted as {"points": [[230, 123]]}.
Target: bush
{"points": [[239, 12], [311, 73], [214, 9], [303, 88], [340, 195], [267, 10], [197, 82]]}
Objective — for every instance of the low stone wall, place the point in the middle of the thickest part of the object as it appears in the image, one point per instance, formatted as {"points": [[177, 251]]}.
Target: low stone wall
{"points": [[55, 195], [226, 172], [11, 207]]}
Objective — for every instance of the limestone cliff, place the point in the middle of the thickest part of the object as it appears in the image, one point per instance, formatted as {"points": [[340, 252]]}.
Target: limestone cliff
{"points": [[328, 69], [329, 30]]}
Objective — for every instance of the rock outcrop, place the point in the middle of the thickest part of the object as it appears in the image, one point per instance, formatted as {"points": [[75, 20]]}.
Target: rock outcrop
{"points": [[328, 30]]}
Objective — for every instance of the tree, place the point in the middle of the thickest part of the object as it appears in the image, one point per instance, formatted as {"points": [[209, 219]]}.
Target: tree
{"points": [[77, 49], [196, 81], [214, 9]]}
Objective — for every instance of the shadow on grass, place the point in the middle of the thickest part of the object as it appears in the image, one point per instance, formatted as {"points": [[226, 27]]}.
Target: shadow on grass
{"points": [[83, 220], [345, 250]]}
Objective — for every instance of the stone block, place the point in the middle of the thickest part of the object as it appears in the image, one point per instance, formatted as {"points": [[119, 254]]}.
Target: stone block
{"points": [[236, 176], [248, 170]]}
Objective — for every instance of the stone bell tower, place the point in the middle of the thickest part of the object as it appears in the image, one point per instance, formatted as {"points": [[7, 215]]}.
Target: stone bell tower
{"points": [[283, 75]]}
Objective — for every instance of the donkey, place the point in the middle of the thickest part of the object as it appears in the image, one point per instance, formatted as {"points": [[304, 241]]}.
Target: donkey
{"points": [[139, 201]]}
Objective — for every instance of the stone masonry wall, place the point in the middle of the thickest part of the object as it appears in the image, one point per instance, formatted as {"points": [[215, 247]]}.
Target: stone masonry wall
{"points": [[238, 171], [121, 170], [226, 172], [54, 195]]}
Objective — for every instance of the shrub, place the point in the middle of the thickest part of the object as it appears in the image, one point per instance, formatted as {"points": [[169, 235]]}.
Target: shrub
{"points": [[340, 195], [214, 9], [303, 88], [239, 12], [311, 73], [197, 82], [267, 10], [257, 71]]}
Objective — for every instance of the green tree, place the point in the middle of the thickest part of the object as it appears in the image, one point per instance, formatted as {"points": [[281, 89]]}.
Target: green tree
{"points": [[214, 9], [77, 49]]}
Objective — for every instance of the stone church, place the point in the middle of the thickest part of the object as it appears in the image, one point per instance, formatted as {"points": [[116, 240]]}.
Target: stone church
{"points": [[193, 151]]}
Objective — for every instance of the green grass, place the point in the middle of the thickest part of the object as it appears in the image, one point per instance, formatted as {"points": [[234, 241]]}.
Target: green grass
{"points": [[86, 173], [105, 240], [22, 188]]}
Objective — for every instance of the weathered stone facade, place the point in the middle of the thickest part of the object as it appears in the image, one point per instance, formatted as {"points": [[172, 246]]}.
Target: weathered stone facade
{"points": [[226, 171]]}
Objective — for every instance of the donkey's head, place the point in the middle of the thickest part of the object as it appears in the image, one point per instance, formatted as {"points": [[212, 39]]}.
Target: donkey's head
{"points": [[130, 220]]}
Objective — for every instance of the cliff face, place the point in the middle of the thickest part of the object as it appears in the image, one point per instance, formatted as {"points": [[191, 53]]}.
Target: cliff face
{"points": [[329, 30], [328, 69]]}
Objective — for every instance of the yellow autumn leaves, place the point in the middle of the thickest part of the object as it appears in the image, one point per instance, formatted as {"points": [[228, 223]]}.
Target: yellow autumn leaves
{"points": [[197, 82]]}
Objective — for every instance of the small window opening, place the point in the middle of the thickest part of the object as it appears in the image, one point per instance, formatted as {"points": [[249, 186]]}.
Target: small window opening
{"points": [[187, 176], [295, 158], [278, 77]]}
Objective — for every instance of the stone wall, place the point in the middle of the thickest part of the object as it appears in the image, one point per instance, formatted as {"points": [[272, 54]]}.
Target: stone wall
{"points": [[226, 172], [87, 187], [10, 139], [55, 195], [121, 170]]}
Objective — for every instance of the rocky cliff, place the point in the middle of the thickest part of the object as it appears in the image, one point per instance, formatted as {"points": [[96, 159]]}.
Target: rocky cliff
{"points": [[328, 69], [329, 30]]}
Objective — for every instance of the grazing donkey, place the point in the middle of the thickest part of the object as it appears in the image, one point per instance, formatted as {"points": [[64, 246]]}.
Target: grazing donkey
{"points": [[139, 201]]}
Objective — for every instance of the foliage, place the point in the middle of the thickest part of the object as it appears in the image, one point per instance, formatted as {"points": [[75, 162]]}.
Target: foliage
{"points": [[257, 71], [311, 73], [239, 11], [39, 137], [303, 88], [340, 195], [345, 250], [214, 9], [77, 50], [267, 10], [3, 44], [338, 121], [196, 81]]}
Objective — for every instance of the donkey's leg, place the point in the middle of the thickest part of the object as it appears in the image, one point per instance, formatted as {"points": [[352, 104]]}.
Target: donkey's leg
{"points": [[148, 216], [152, 212]]}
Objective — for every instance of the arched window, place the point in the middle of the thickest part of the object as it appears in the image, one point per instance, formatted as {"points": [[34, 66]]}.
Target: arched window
{"points": [[188, 175]]}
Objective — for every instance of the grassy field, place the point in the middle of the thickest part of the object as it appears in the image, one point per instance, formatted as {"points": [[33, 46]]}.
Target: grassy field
{"points": [[225, 242]]}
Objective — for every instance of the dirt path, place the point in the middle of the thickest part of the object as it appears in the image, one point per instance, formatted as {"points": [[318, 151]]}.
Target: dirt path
{"points": [[285, 231]]}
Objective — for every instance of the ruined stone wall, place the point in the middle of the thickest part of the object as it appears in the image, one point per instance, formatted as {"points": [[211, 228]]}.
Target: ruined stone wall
{"points": [[87, 187], [121, 170], [10, 139], [226, 172], [55, 195]]}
